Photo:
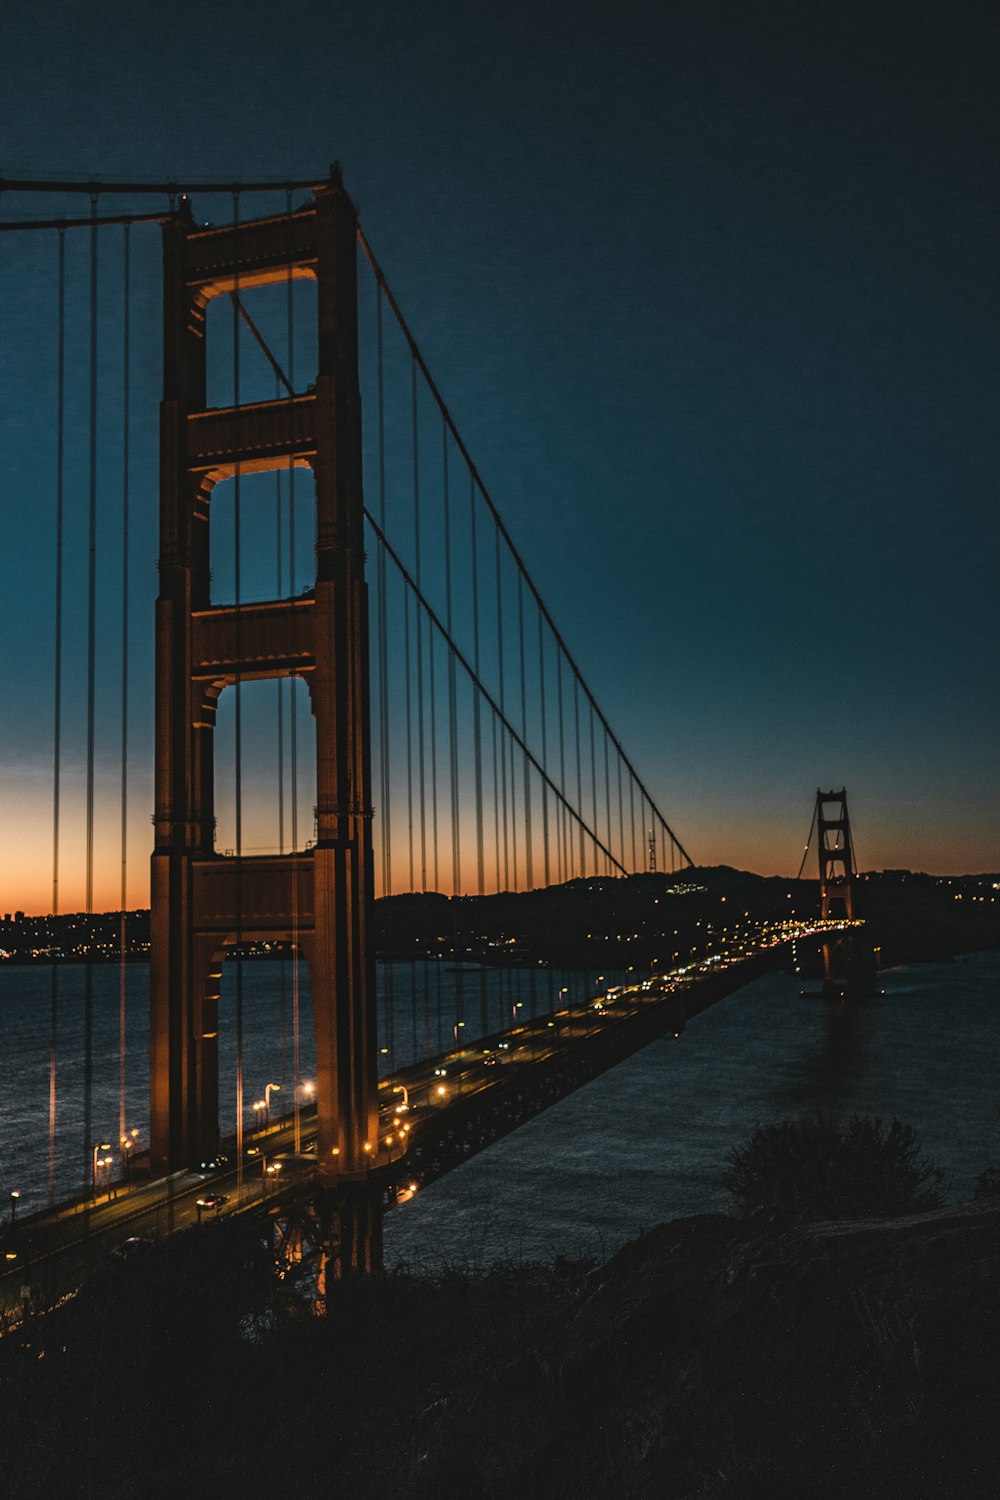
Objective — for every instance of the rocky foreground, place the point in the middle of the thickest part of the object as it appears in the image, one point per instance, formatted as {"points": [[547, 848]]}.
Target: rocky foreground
{"points": [[710, 1357]]}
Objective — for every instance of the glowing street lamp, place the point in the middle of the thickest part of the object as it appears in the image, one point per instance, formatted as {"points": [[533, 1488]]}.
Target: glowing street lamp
{"points": [[272, 1088], [15, 1195], [101, 1146], [259, 1110], [126, 1150], [400, 1088]]}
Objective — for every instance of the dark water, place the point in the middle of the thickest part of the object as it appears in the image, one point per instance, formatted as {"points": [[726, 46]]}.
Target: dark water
{"points": [[648, 1141], [643, 1143], [481, 999]]}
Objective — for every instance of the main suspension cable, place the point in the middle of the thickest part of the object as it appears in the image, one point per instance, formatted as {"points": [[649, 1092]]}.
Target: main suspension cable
{"points": [[484, 692], [477, 481]]}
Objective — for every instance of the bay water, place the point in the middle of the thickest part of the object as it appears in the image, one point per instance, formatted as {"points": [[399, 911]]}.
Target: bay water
{"points": [[645, 1142]]}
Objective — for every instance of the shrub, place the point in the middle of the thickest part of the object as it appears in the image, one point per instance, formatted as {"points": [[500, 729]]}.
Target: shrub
{"points": [[815, 1167], [988, 1183]]}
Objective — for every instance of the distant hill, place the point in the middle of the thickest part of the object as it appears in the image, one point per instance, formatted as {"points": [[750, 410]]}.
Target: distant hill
{"points": [[612, 922]]}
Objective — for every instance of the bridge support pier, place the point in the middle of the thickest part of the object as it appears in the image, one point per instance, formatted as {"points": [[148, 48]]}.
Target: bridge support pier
{"points": [[318, 901], [351, 1235]]}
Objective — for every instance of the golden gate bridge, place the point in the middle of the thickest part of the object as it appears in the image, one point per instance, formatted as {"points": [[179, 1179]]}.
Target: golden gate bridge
{"points": [[357, 690]]}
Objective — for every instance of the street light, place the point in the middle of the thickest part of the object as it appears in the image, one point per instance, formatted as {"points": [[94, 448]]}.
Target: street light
{"points": [[126, 1150], [400, 1088], [258, 1110], [272, 1088], [101, 1146], [15, 1195]]}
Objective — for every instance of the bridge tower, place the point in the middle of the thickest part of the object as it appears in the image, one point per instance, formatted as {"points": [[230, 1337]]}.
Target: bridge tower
{"points": [[203, 902], [848, 964]]}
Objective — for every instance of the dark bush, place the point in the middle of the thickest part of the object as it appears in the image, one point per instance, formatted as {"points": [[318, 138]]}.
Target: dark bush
{"points": [[815, 1167], [988, 1183]]}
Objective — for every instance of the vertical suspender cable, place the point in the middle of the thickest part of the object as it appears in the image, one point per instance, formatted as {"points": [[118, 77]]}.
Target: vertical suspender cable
{"points": [[456, 857], [476, 696], [593, 779], [88, 990], [420, 631], [279, 582], [57, 706], [528, 872], [631, 803], [433, 747], [279, 579], [237, 592], [579, 771], [545, 750], [425, 974], [496, 802], [503, 749], [456, 854], [383, 653], [434, 811], [607, 800], [409, 731], [563, 858], [122, 970], [293, 743], [514, 866], [382, 644], [407, 651]]}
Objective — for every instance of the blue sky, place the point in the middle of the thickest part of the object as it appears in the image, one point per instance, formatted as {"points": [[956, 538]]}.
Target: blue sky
{"points": [[711, 292]]}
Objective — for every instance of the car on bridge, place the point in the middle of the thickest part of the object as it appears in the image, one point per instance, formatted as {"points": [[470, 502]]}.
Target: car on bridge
{"points": [[214, 1163], [211, 1201]]}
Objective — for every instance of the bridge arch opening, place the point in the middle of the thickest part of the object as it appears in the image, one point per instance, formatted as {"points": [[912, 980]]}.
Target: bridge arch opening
{"points": [[275, 775], [274, 991], [283, 314], [277, 535]]}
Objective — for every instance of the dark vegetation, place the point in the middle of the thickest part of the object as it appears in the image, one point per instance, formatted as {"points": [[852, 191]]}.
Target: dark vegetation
{"points": [[816, 1167], [749, 1355]]}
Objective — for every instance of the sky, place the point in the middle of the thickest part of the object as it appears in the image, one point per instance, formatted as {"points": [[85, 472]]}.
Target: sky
{"points": [[711, 292]]}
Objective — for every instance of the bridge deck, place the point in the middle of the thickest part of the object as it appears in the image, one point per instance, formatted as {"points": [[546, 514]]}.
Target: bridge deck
{"points": [[433, 1116]]}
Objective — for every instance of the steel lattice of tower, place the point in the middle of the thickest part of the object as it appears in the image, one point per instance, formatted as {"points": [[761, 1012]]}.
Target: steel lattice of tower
{"points": [[202, 902], [836, 855], [848, 961]]}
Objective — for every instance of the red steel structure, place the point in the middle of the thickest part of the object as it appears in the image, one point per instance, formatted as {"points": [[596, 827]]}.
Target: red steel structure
{"points": [[203, 902]]}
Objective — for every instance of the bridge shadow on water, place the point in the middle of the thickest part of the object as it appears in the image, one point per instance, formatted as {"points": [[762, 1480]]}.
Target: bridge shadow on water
{"points": [[831, 1074]]}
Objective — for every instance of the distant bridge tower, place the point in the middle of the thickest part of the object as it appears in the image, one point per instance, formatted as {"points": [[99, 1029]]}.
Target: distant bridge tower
{"points": [[836, 855], [203, 902], [848, 965]]}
